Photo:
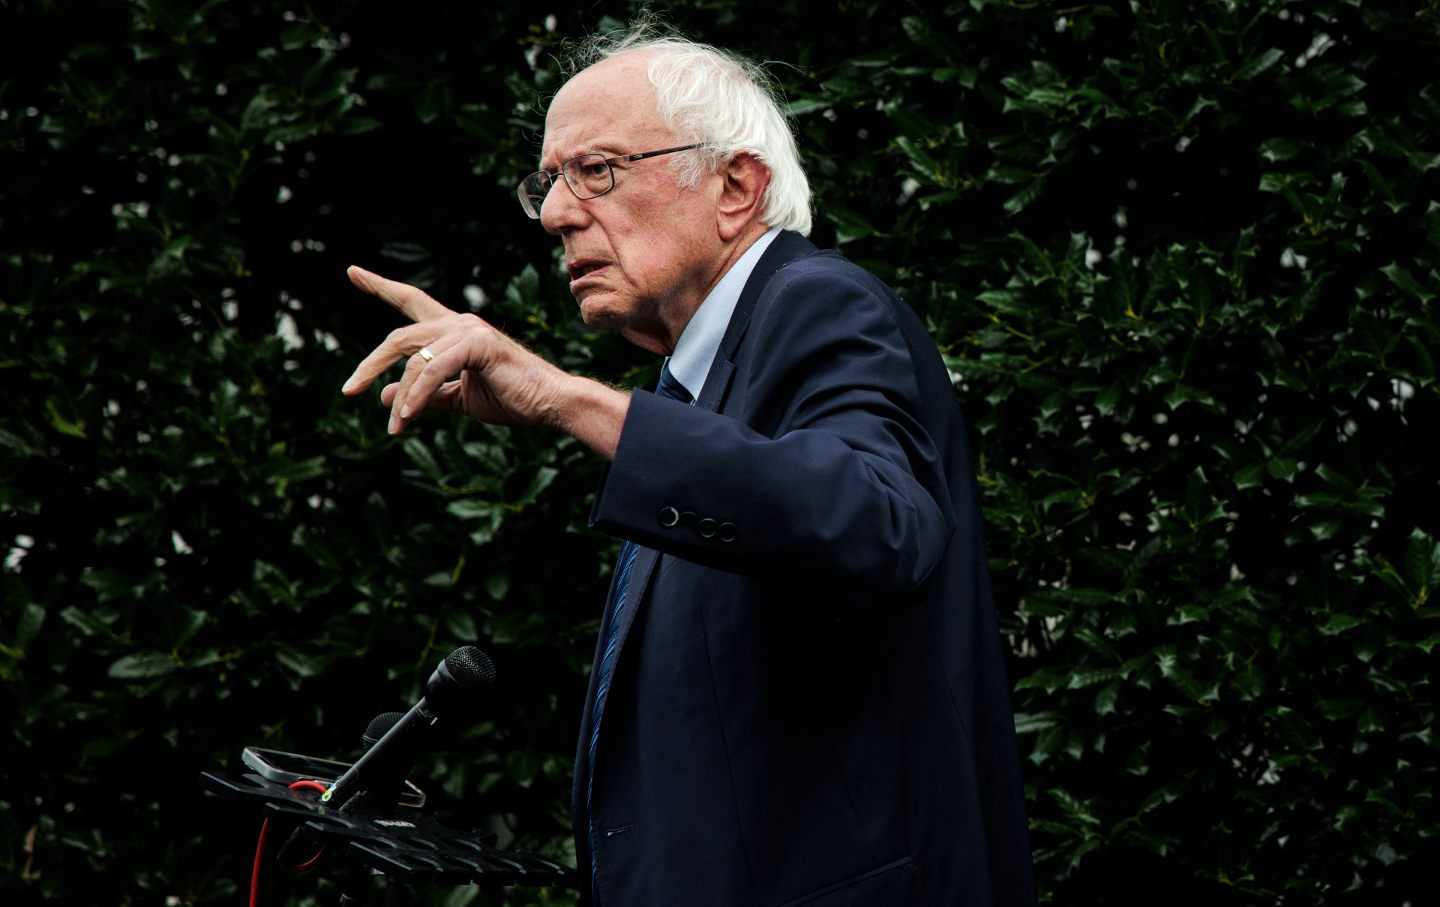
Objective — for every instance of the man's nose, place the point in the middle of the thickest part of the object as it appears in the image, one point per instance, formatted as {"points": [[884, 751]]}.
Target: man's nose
{"points": [[561, 209]]}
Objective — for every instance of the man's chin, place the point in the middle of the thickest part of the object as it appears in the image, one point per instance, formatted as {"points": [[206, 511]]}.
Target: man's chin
{"points": [[597, 314]]}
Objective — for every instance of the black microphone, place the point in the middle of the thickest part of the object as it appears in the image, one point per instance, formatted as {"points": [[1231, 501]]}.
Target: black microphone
{"points": [[378, 727], [452, 691]]}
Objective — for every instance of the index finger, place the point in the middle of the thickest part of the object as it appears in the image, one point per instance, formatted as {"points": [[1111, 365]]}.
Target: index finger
{"points": [[412, 302], [402, 343]]}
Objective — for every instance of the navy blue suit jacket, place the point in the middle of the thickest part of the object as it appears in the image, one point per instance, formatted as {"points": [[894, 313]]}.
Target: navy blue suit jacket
{"points": [[809, 704]]}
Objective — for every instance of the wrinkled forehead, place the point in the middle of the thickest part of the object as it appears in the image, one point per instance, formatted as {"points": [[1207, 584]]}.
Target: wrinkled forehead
{"points": [[609, 107]]}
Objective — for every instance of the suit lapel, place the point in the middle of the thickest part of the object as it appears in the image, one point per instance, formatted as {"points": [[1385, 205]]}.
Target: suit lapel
{"points": [[645, 560], [785, 248]]}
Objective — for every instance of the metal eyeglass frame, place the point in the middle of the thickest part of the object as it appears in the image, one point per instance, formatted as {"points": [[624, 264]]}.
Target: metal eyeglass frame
{"points": [[534, 188]]}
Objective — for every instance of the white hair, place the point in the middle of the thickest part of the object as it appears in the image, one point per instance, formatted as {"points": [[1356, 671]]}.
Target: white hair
{"points": [[707, 95]]}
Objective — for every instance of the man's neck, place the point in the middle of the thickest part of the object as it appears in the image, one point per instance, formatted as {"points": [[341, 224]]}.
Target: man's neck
{"points": [[696, 348], [733, 251]]}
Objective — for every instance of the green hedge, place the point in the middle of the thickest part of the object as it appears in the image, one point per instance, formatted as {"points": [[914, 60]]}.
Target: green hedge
{"points": [[1181, 258]]}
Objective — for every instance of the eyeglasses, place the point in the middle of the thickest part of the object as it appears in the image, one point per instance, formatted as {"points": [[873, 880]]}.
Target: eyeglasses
{"points": [[588, 176]]}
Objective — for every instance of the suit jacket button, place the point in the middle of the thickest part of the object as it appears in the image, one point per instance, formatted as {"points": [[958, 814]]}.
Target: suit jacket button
{"points": [[706, 528], [728, 532], [669, 516], [687, 518]]}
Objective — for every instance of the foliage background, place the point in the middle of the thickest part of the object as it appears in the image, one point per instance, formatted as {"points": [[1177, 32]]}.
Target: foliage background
{"points": [[1181, 257]]}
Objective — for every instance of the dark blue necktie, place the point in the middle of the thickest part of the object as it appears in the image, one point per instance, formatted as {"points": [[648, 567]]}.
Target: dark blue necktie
{"points": [[668, 387]]}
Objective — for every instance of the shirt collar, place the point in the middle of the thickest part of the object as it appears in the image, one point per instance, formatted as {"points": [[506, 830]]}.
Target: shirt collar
{"points": [[695, 350]]}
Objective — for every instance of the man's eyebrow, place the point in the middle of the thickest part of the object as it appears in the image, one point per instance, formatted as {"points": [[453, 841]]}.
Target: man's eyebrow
{"points": [[609, 149]]}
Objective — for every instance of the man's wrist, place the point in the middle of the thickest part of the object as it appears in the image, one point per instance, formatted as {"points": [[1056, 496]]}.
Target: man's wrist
{"points": [[591, 412]]}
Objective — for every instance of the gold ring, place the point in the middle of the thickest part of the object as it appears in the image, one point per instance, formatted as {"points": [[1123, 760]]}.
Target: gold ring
{"points": [[426, 354]]}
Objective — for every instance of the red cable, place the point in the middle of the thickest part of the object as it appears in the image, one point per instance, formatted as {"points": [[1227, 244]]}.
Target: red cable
{"points": [[302, 784], [255, 872]]}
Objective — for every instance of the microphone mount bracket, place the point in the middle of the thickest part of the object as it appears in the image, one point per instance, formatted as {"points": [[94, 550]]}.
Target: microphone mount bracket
{"points": [[413, 848]]}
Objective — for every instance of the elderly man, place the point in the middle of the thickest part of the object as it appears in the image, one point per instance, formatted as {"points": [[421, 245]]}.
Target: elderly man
{"points": [[799, 695]]}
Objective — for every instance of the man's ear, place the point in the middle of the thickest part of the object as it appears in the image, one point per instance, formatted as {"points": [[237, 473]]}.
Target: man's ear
{"points": [[743, 180]]}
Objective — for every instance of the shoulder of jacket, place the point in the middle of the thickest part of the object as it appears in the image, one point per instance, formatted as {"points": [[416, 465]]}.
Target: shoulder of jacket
{"points": [[827, 270]]}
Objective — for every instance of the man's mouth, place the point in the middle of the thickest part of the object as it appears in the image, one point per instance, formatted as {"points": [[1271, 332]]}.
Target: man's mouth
{"points": [[580, 267]]}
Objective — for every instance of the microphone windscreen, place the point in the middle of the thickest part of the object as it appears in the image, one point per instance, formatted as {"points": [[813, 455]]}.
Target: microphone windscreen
{"points": [[377, 728], [470, 667], [456, 687]]}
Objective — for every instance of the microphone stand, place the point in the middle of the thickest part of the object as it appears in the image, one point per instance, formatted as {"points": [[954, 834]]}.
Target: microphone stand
{"points": [[411, 848]]}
